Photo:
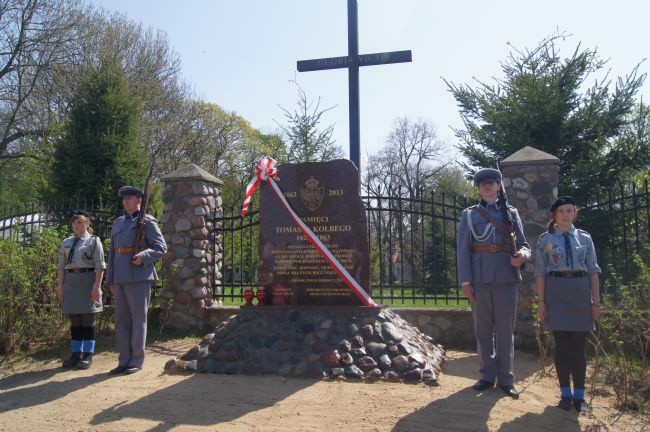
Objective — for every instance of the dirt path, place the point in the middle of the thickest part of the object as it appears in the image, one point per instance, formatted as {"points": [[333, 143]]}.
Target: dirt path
{"points": [[46, 398]]}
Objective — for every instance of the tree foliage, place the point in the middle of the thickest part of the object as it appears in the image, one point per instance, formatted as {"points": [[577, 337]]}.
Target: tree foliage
{"points": [[544, 100], [306, 141], [61, 42], [98, 151]]}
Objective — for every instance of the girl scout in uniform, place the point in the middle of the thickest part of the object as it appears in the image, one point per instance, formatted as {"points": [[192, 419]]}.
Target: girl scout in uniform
{"points": [[567, 284], [80, 271]]}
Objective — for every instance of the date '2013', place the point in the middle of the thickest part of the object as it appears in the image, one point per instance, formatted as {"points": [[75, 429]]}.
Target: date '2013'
{"points": [[335, 192]]}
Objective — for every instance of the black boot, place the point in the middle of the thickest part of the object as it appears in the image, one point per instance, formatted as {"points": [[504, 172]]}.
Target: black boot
{"points": [[86, 361], [72, 361]]}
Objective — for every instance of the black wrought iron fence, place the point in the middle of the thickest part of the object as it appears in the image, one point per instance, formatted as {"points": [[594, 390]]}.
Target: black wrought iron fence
{"points": [[21, 222], [239, 237], [411, 242], [618, 220], [412, 246]]}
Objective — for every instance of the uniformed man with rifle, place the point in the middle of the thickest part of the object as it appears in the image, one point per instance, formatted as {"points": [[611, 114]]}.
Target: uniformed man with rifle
{"points": [[136, 244], [491, 248]]}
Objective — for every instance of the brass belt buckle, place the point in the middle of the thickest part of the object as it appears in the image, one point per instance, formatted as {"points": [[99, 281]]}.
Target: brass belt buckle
{"points": [[493, 247], [568, 274]]}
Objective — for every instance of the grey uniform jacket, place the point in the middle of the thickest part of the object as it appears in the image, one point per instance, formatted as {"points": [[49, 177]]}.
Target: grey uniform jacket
{"points": [[551, 252], [88, 253], [486, 267], [119, 268]]}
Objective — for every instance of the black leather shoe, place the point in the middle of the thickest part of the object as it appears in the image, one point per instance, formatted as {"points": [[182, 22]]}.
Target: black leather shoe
{"points": [[565, 403], [510, 391], [482, 385], [72, 361], [581, 405], [86, 361], [118, 370], [131, 370]]}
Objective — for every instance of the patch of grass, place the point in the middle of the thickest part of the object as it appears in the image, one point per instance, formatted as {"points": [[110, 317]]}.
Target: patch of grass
{"points": [[396, 300], [429, 303]]}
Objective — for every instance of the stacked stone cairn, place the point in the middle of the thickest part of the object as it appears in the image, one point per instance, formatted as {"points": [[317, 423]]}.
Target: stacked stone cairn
{"points": [[339, 343]]}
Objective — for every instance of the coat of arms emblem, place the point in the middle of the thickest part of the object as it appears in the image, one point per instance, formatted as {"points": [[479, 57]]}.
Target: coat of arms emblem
{"points": [[312, 194]]}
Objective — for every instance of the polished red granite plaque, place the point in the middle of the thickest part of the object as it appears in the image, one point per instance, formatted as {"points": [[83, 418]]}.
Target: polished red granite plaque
{"points": [[326, 196]]}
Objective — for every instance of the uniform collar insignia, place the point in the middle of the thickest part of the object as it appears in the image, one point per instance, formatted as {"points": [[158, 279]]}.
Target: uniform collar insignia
{"points": [[133, 216], [485, 204], [572, 230]]}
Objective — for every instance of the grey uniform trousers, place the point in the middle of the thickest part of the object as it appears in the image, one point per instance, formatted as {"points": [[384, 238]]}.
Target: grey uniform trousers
{"points": [[131, 305], [494, 310]]}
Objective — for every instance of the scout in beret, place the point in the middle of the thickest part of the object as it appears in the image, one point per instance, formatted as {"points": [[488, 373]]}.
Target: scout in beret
{"points": [[489, 273], [568, 291], [130, 274], [79, 276], [562, 201]]}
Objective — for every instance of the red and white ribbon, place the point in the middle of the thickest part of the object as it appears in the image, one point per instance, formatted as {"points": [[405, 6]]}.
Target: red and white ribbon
{"points": [[266, 171]]}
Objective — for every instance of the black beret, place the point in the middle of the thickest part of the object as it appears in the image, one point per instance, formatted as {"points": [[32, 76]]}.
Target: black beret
{"points": [[561, 201], [130, 191], [79, 212], [486, 174]]}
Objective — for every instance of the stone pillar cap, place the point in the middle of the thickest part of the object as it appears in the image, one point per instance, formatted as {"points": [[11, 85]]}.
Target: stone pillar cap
{"points": [[529, 156], [191, 172]]}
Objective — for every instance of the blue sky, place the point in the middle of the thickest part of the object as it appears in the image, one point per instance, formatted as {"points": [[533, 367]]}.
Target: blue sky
{"points": [[241, 54]]}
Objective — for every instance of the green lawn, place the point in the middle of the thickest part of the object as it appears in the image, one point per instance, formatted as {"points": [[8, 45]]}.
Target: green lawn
{"points": [[394, 301]]}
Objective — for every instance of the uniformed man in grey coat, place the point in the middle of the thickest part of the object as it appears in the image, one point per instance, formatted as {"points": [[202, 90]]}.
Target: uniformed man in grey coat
{"points": [[130, 274], [488, 272]]}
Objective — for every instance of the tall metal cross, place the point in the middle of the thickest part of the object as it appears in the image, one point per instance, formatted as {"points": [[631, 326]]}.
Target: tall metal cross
{"points": [[352, 62]]}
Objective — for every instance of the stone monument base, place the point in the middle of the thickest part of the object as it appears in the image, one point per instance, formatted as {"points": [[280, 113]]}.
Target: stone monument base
{"points": [[371, 343]]}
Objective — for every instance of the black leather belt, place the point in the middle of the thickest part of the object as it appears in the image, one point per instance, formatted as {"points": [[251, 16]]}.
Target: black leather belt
{"points": [[567, 274], [80, 270]]}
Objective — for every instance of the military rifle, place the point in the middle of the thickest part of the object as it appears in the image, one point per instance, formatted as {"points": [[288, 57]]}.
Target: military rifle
{"points": [[507, 217], [139, 230]]}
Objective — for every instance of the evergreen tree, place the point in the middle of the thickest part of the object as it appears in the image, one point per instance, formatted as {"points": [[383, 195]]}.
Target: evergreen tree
{"points": [[98, 150], [543, 101], [307, 143]]}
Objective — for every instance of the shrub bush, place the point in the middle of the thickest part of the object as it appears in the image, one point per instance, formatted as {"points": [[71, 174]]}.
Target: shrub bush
{"points": [[29, 310], [623, 340]]}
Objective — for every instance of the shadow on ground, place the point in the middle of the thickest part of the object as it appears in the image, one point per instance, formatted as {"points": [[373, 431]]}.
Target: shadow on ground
{"points": [[33, 395], [468, 410], [212, 402]]}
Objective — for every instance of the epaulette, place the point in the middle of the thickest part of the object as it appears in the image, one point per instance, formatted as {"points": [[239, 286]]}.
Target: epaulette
{"points": [[583, 232]]}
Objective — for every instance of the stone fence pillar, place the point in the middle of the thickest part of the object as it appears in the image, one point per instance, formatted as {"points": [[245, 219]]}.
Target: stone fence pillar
{"points": [[191, 198], [531, 178]]}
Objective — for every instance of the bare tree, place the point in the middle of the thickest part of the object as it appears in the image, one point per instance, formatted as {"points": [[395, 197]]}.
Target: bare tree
{"points": [[396, 179], [36, 39], [409, 160]]}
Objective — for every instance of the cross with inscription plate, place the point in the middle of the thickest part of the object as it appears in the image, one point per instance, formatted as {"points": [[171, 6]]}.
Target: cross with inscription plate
{"points": [[352, 62]]}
